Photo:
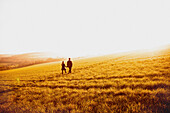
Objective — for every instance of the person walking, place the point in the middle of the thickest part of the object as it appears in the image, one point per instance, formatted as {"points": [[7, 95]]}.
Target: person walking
{"points": [[63, 67], [69, 64]]}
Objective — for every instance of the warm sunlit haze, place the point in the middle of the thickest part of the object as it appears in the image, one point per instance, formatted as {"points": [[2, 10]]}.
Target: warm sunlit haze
{"points": [[84, 56], [72, 28]]}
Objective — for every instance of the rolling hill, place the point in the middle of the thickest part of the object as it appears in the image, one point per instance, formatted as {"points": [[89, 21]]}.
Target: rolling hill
{"points": [[21, 60], [126, 82]]}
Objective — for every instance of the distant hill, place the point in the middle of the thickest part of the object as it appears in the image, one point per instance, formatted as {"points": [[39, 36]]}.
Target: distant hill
{"points": [[21, 60], [4, 55]]}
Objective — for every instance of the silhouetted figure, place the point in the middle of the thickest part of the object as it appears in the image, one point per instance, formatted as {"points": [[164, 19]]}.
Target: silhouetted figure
{"points": [[63, 67], [69, 64]]}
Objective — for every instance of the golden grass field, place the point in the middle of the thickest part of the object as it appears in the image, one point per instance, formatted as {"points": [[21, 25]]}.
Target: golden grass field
{"points": [[129, 82]]}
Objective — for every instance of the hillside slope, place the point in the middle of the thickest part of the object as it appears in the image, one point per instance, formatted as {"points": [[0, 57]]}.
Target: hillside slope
{"points": [[131, 82], [22, 60]]}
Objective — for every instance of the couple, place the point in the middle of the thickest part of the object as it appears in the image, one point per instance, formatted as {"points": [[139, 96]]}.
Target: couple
{"points": [[69, 65]]}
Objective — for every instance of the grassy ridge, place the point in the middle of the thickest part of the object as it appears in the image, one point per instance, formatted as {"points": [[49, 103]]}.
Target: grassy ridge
{"points": [[114, 83]]}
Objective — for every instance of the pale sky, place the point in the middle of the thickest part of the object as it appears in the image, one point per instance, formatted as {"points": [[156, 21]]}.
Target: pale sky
{"points": [[74, 28]]}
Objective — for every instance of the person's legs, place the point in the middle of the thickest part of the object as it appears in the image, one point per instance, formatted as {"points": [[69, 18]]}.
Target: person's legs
{"points": [[62, 71], [69, 69]]}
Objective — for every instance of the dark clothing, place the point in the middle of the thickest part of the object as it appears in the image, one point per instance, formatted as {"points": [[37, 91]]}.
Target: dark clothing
{"points": [[63, 68], [69, 70], [69, 65]]}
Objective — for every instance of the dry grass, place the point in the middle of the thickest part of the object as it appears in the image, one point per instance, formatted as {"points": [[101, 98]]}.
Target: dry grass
{"points": [[115, 83]]}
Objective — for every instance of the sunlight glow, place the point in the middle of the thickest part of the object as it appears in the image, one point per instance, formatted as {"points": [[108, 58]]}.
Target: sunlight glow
{"points": [[73, 28]]}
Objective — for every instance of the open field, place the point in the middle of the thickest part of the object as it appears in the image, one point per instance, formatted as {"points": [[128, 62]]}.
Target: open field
{"points": [[115, 83]]}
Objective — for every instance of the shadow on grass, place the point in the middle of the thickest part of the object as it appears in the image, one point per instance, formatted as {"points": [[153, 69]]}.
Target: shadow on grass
{"points": [[106, 86]]}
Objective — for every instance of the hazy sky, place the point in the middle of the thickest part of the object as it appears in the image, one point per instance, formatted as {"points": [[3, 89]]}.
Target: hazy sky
{"points": [[83, 27]]}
